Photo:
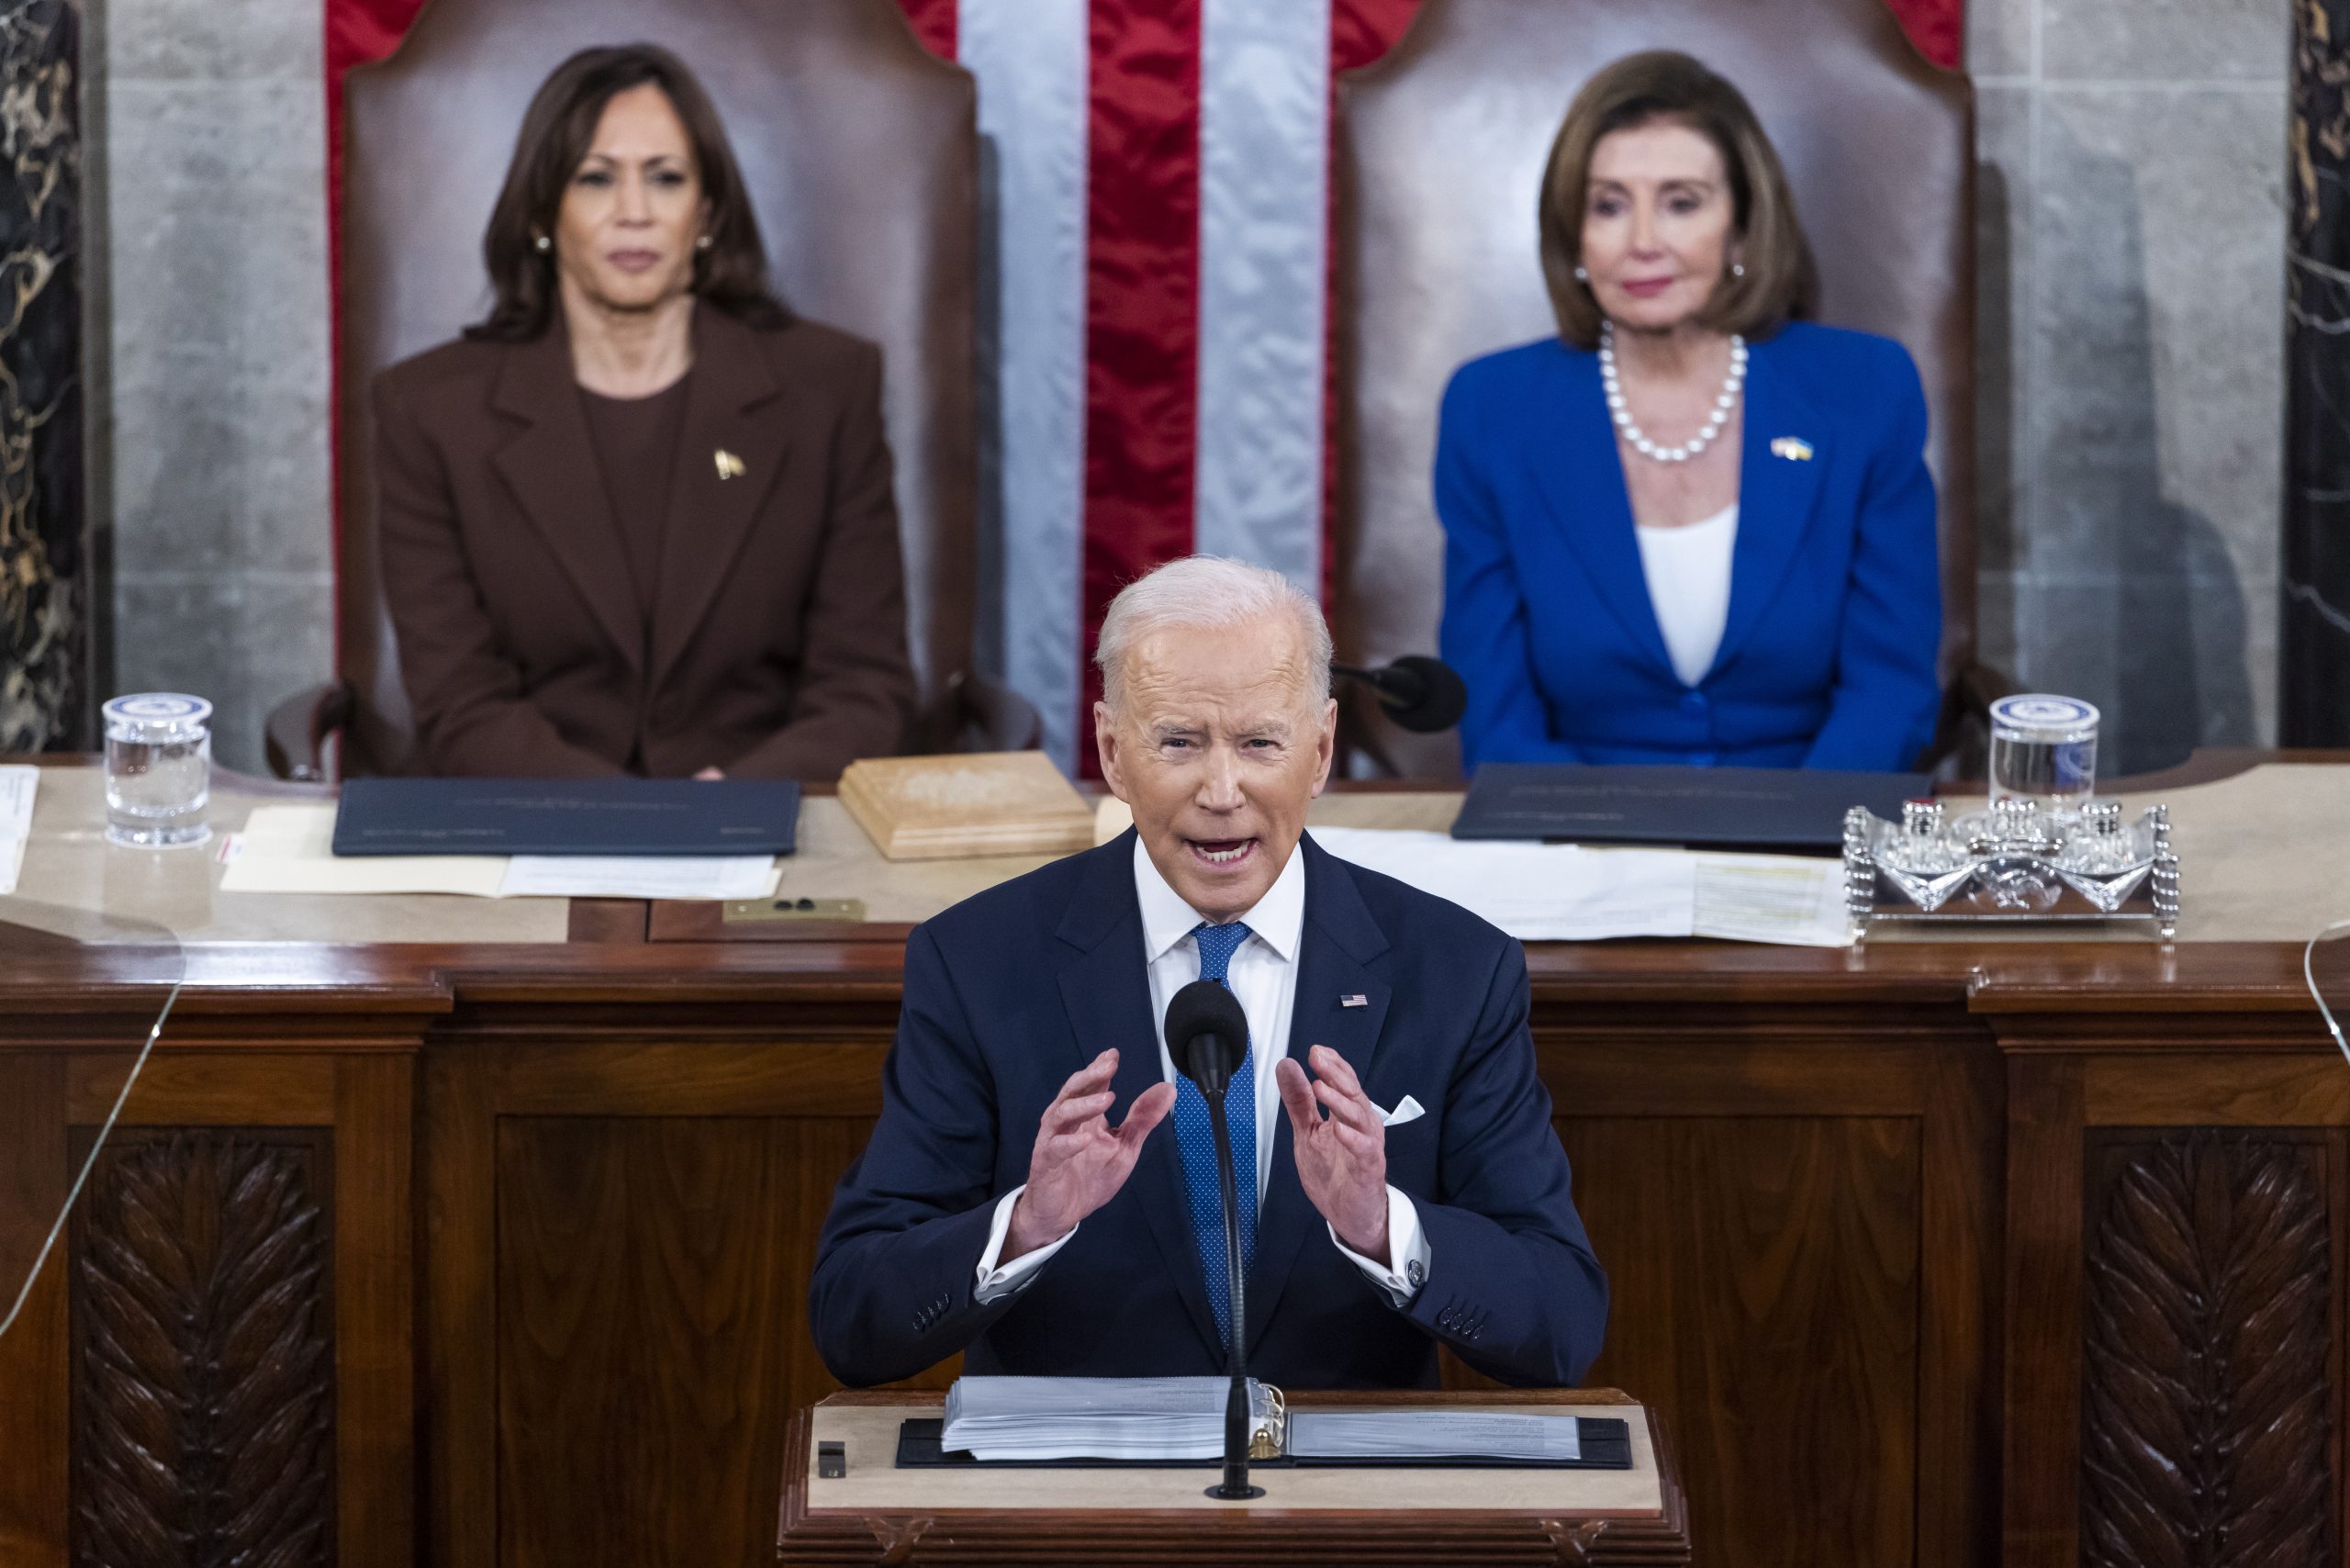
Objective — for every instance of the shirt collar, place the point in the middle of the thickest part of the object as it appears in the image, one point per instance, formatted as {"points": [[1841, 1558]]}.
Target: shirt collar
{"points": [[1278, 918]]}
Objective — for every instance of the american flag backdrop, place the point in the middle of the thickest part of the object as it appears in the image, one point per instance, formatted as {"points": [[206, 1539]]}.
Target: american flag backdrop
{"points": [[1163, 218]]}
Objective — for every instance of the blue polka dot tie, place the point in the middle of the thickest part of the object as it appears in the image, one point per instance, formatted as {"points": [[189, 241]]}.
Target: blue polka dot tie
{"points": [[1196, 1140]]}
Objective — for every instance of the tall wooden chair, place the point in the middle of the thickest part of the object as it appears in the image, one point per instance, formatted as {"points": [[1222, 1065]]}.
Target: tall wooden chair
{"points": [[861, 151], [1439, 163]]}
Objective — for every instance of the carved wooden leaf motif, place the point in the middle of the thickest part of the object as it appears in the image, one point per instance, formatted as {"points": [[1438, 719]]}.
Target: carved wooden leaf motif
{"points": [[2205, 1404], [203, 1396]]}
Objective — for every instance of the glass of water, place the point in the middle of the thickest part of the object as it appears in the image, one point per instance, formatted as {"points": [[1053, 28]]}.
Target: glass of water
{"points": [[159, 769], [2043, 749]]}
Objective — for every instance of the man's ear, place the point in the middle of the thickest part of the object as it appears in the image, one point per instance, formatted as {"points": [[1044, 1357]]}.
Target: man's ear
{"points": [[1325, 744], [1105, 747]]}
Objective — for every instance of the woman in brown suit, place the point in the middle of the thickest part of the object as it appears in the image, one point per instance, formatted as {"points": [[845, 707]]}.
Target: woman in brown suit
{"points": [[640, 520]]}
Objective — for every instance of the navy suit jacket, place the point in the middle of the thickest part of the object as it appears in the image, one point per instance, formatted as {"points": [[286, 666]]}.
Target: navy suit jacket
{"points": [[1835, 604], [1010, 993]]}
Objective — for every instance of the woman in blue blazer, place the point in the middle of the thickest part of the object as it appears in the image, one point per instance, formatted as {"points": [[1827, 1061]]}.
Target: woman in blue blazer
{"points": [[1691, 528]]}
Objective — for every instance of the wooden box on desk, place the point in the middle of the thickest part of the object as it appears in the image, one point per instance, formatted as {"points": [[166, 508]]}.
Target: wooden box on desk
{"points": [[938, 808], [1014, 1516]]}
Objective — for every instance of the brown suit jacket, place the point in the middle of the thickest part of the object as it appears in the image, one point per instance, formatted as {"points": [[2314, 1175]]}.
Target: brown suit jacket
{"points": [[777, 644]]}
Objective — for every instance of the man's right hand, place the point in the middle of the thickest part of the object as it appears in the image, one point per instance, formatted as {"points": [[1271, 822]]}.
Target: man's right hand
{"points": [[1079, 1161]]}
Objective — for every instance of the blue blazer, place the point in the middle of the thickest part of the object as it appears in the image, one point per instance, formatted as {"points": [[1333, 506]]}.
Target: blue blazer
{"points": [[1835, 605], [1010, 993]]}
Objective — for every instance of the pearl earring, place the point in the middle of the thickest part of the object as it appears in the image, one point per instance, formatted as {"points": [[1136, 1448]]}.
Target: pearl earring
{"points": [[1583, 274], [541, 245], [1738, 269], [703, 243]]}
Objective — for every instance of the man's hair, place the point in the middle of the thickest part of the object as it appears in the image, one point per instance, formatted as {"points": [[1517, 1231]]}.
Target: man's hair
{"points": [[1780, 284], [557, 131], [1208, 592]]}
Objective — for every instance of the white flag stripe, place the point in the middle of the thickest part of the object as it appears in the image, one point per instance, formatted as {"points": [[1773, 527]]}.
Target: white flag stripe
{"points": [[1264, 174], [1033, 63]]}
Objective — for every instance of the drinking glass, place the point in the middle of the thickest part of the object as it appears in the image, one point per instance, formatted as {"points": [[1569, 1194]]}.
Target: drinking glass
{"points": [[2043, 749], [159, 769]]}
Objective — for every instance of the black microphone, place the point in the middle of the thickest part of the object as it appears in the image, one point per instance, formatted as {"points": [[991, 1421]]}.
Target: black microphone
{"points": [[1207, 1034], [1422, 694]]}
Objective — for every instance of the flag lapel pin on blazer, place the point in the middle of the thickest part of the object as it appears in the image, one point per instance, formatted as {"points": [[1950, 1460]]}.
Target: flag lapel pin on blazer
{"points": [[1354, 999], [1793, 450], [728, 465]]}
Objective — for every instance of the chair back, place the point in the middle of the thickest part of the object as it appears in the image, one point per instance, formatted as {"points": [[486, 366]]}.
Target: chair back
{"points": [[1440, 152], [860, 150]]}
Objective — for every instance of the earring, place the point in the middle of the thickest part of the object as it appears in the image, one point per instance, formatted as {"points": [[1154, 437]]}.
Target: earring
{"points": [[541, 245], [703, 243], [1738, 269], [1583, 274]]}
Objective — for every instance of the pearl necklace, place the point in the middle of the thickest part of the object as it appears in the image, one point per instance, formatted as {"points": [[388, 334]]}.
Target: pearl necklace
{"points": [[1638, 439]]}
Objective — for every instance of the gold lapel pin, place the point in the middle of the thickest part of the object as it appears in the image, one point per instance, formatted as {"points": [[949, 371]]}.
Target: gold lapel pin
{"points": [[730, 466], [1791, 449]]}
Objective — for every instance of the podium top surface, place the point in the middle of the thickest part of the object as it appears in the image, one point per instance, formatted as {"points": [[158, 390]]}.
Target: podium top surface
{"points": [[874, 1484]]}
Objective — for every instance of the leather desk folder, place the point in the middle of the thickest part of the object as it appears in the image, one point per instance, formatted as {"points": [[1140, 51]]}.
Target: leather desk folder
{"points": [[1717, 808], [566, 816]]}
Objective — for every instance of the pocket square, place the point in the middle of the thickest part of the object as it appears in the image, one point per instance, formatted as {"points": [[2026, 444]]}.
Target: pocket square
{"points": [[1406, 1110]]}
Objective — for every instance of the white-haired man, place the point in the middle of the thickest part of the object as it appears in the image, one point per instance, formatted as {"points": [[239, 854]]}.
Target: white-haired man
{"points": [[999, 1211]]}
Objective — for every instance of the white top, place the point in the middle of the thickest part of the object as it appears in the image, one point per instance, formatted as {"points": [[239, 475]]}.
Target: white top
{"points": [[1263, 976], [1688, 573]]}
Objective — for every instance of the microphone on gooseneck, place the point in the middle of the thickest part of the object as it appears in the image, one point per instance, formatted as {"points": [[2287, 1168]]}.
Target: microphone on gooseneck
{"points": [[1419, 693], [1207, 1035]]}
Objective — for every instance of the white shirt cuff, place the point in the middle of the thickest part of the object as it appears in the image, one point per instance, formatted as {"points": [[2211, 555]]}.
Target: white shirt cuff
{"points": [[1407, 1245], [1000, 1280]]}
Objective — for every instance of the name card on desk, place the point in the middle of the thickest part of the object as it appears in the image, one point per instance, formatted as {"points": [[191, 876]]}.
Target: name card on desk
{"points": [[592, 816]]}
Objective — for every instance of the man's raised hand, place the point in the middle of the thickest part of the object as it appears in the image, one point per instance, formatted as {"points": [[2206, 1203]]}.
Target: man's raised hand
{"points": [[1341, 1158], [1079, 1161]]}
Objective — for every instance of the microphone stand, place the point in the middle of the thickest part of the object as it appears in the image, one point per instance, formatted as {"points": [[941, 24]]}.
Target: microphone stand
{"points": [[1235, 1486]]}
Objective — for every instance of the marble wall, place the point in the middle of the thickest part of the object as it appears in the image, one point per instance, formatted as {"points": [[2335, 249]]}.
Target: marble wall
{"points": [[2314, 690], [45, 565], [2132, 162], [2132, 262], [223, 537]]}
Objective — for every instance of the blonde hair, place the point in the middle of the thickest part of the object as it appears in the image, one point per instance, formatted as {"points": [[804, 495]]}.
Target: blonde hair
{"points": [[1207, 591], [1781, 283]]}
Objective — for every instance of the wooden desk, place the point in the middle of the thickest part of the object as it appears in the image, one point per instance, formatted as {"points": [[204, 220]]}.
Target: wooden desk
{"points": [[1907, 1240], [1013, 1518]]}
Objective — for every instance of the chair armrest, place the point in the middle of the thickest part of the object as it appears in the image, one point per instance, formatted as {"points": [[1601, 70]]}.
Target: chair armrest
{"points": [[296, 733], [979, 713]]}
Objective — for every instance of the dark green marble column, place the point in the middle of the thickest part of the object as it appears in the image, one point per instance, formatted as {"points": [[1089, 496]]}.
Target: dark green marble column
{"points": [[45, 592], [2313, 641]]}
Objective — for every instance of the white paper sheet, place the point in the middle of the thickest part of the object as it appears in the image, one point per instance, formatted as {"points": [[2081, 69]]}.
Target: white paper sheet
{"points": [[640, 877], [17, 785], [1560, 892]]}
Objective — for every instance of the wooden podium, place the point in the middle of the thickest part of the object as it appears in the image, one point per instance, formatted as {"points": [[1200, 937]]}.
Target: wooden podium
{"points": [[1017, 1516]]}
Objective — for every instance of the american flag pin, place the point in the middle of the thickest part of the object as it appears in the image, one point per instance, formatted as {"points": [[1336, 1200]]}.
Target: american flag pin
{"points": [[1354, 999]]}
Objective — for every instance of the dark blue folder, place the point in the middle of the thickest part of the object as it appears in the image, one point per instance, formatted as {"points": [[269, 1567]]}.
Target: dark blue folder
{"points": [[566, 816], [1753, 808]]}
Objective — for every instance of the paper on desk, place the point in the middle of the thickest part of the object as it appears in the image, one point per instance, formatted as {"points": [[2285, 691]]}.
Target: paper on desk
{"points": [[640, 876], [17, 787], [1559, 892], [290, 849]]}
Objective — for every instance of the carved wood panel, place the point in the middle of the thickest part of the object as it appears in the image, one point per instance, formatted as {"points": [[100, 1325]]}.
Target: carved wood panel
{"points": [[2207, 1357], [204, 1352]]}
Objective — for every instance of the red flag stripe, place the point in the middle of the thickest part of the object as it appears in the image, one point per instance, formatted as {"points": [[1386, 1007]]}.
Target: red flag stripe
{"points": [[1142, 302]]}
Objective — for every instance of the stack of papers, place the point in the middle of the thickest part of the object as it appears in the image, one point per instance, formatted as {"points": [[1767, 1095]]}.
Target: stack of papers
{"points": [[1419, 1433], [17, 787], [1092, 1417], [1561, 892], [290, 849]]}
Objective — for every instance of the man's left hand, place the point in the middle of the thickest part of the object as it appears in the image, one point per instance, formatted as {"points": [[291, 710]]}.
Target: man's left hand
{"points": [[1341, 1156]]}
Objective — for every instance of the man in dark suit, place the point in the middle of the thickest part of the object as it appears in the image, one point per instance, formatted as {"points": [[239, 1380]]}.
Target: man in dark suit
{"points": [[1401, 1185]]}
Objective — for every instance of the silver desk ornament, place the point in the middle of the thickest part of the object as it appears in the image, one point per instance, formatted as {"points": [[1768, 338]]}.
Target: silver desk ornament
{"points": [[2010, 861]]}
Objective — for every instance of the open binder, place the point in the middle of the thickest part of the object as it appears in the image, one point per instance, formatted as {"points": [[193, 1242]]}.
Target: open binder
{"points": [[1046, 1414]]}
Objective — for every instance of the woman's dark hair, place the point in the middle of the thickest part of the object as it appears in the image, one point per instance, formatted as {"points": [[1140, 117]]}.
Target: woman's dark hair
{"points": [[1664, 85], [557, 131]]}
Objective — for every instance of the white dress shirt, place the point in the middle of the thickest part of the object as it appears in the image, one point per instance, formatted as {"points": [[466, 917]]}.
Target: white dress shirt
{"points": [[1687, 570], [1263, 975]]}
